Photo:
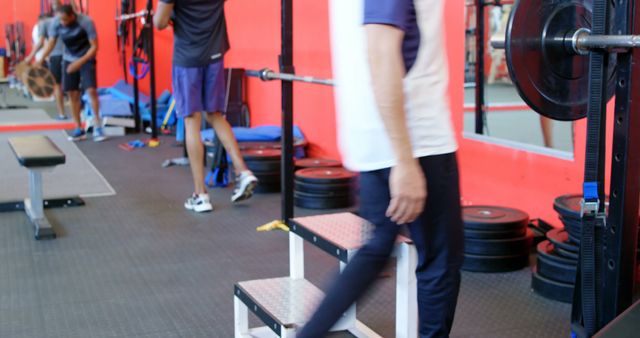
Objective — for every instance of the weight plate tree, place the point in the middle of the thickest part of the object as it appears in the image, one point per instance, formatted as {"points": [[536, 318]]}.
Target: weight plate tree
{"points": [[567, 58]]}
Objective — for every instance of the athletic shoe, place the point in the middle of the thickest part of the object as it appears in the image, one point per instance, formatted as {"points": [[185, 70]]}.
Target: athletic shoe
{"points": [[198, 203], [98, 134], [62, 117], [245, 183], [78, 135]]}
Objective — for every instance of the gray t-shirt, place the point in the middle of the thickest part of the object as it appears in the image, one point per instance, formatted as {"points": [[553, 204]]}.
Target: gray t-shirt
{"points": [[76, 37], [44, 29], [200, 32]]}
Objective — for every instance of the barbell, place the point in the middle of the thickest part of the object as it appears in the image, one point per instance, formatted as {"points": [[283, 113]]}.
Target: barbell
{"points": [[267, 74], [547, 43]]}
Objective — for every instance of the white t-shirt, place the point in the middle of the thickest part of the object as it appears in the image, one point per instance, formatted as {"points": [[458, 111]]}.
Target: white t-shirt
{"points": [[35, 36], [363, 140]]}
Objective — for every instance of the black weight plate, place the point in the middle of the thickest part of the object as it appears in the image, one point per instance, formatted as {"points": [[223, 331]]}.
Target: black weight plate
{"points": [[261, 154], [573, 227], [268, 177], [568, 206], [546, 249], [324, 194], [490, 218], [574, 240], [476, 263], [319, 188], [323, 203], [548, 268], [495, 234], [263, 166], [259, 145], [499, 247], [325, 175], [560, 239], [317, 163], [567, 254], [550, 80], [263, 188], [547, 288]]}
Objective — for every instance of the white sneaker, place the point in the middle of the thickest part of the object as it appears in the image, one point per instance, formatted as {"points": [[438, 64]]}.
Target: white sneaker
{"points": [[245, 183], [198, 203]]}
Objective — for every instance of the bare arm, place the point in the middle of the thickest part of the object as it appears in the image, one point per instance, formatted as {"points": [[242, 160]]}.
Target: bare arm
{"points": [[407, 183], [387, 72], [48, 47], [90, 54], [163, 15], [35, 49]]}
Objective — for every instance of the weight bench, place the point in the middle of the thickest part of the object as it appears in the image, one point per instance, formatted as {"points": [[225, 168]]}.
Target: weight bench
{"points": [[38, 154]]}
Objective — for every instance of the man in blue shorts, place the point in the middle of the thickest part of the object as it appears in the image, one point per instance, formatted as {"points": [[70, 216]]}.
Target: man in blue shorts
{"points": [[395, 128], [78, 34], [200, 42]]}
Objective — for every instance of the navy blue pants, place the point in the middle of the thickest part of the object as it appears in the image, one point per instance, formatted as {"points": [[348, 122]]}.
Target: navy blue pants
{"points": [[437, 234]]}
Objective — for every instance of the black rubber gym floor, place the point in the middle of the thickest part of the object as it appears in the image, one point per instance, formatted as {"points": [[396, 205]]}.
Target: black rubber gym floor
{"points": [[138, 265]]}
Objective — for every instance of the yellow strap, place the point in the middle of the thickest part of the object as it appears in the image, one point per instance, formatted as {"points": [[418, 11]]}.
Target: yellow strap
{"points": [[168, 114], [273, 226]]}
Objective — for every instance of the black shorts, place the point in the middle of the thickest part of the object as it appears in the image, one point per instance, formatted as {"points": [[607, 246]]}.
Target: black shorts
{"points": [[55, 66], [86, 77]]}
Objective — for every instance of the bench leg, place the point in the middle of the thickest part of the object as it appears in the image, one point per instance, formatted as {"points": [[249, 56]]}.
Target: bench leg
{"points": [[241, 318], [34, 206]]}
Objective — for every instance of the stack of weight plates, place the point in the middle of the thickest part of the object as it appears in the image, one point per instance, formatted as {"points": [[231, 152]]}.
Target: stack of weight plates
{"points": [[259, 145], [265, 164], [496, 239], [317, 163], [324, 188], [555, 273]]}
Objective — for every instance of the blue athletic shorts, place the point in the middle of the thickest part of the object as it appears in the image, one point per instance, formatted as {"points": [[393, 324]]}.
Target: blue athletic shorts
{"points": [[199, 89]]}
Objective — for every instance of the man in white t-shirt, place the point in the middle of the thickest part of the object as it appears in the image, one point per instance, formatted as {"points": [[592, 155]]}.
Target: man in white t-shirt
{"points": [[394, 126]]}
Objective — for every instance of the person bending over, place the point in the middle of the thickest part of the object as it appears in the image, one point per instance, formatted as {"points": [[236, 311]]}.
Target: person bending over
{"points": [[200, 42], [78, 35]]}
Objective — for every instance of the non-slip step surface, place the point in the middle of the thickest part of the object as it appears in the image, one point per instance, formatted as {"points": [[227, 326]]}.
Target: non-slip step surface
{"points": [[290, 302]]}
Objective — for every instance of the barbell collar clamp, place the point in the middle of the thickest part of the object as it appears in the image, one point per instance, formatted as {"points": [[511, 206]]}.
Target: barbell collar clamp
{"points": [[581, 42]]}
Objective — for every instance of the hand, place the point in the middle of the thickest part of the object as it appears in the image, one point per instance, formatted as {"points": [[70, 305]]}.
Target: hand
{"points": [[74, 67], [38, 63], [408, 188]]}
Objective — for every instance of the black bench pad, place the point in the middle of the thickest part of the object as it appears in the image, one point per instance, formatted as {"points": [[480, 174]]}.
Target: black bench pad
{"points": [[36, 151]]}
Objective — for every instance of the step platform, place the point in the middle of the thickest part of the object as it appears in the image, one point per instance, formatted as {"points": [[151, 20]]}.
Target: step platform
{"points": [[284, 304]]}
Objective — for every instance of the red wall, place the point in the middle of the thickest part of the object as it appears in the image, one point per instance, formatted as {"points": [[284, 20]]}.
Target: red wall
{"points": [[490, 174]]}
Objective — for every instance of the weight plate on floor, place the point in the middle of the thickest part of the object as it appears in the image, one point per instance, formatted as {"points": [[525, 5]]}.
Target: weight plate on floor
{"points": [[495, 234], [320, 188], [263, 188], [268, 177], [324, 194], [476, 263], [548, 268], [325, 175], [317, 163], [490, 218], [566, 253], [263, 166], [261, 154], [259, 145], [547, 288], [549, 78], [546, 248], [499, 247], [560, 239], [323, 203]]}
